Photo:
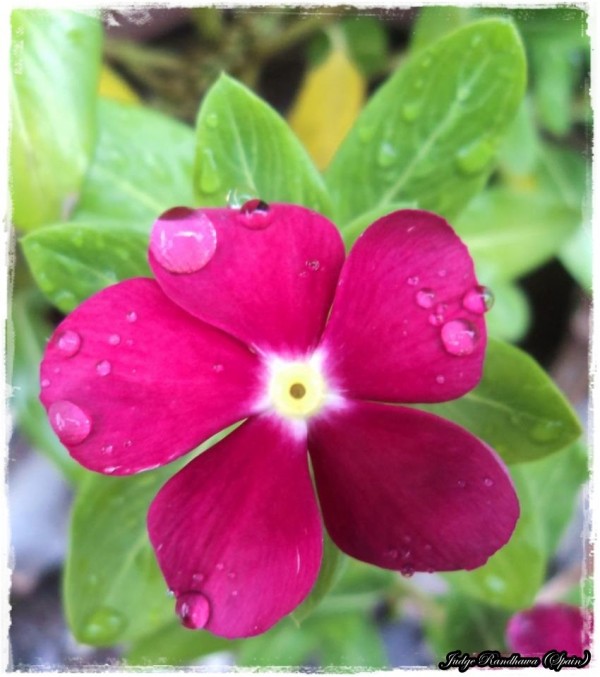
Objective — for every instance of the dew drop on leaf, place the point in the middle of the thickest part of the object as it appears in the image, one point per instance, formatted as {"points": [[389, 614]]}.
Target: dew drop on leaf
{"points": [[103, 626]]}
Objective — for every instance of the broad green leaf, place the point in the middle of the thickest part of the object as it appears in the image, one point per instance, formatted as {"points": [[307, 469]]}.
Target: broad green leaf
{"points": [[520, 148], [547, 490], [510, 232], [329, 100], [469, 626], [430, 133], [516, 408], [172, 644], [113, 589], [245, 147], [433, 23], [566, 174], [576, 256], [332, 566], [510, 316], [142, 166], [55, 66], [72, 261], [32, 329]]}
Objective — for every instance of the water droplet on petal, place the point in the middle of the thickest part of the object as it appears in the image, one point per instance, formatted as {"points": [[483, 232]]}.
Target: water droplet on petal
{"points": [[127, 444], [45, 382], [220, 566], [459, 337], [440, 379], [198, 578], [234, 593], [393, 553], [183, 241], [461, 484], [131, 316], [478, 300], [114, 339], [103, 626], [217, 368], [69, 422], [436, 319], [103, 368], [488, 482], [387, 155], [107, 449], [313, 265], [194, 610], [412, 281], [407, 570], [255, 214], [425, 298], [231, 575], [69, 343], [442, 273], [209, 175]]}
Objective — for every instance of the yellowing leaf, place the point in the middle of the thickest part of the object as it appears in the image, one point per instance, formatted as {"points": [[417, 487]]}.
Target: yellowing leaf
{"points": [[112, 86], [327, 105]]}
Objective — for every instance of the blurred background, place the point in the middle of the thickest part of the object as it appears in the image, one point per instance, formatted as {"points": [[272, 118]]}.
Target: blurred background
{"points": [[317, 68]]}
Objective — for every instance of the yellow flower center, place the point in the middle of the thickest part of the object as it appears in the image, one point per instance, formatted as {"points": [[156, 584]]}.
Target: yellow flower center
{"points": [[296, 389]]}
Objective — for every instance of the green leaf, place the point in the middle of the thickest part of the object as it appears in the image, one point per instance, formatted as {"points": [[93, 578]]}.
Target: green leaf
{"points": [[510, 316], [367, 43], [244, 147], [430, 133], [547, 490], [284, 645], [142, 166], [510, 232], [55, 67], [516, 408], [350, 640], [332, 566], [576, 256], [521, 145], [433, 23], [72, 261], [31, 331], [172, 644], [113, 589], [468, 626]]}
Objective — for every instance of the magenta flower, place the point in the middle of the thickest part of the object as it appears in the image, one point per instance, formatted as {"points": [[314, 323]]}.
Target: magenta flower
{"points": [[549, 627], [255, 315]]}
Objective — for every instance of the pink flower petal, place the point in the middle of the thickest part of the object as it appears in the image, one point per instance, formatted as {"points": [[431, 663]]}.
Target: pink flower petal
{"points": [[237, 532], [399, 330], [406, 490], [131, 381], [266, 275], [549, 626]]}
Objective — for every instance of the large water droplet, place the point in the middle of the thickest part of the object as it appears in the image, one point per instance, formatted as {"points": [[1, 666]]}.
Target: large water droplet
{"points": [[69, 422], [68, 343], [475, 158], [478, 300], [209, 175], [183, 241], [459, 337], [255, 214], [103, 368], [387, 155], [103, 626], [425, 298], [194, 610]]}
